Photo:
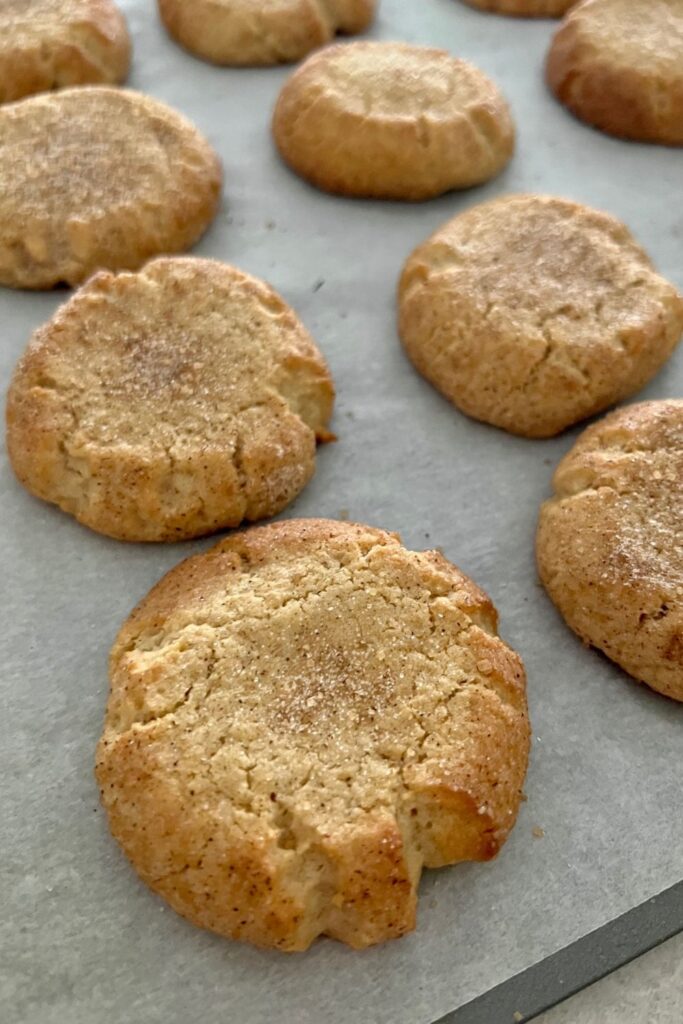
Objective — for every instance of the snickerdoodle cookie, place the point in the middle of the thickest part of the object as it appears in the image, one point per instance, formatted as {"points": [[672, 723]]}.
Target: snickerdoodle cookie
{"points": [[610, 543], [392, 121], [49, 44], [249, 32], [532, 313], [299, 721], [618, 64], [524, 8], [97, 177], [169, 403]]}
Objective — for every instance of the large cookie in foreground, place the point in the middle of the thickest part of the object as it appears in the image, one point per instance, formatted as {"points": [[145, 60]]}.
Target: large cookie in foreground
{"points": [[300, 720], [610, 543]]}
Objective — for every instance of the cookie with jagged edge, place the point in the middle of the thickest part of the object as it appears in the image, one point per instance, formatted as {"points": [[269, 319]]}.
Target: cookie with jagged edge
{"points": [[299, 721]]}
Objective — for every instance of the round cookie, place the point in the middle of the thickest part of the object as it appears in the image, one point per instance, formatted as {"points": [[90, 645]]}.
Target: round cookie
{"points": [[610, 543], [299, 721], [524, 8], [49, 44], [249, 32], [97, 177], [392, 121], [532, 313], [169, 403], [618, 65]]}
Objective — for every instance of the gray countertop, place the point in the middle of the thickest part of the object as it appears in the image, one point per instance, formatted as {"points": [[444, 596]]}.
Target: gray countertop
{"points": [[647, 991]]}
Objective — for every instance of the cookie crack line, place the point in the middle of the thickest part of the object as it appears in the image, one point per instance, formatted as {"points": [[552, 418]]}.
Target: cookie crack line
{"points": [[362, 563], [592, 488], [221, 634]]}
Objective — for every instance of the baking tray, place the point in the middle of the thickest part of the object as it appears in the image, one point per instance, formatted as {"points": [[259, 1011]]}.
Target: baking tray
{"points": [[83, 941]]}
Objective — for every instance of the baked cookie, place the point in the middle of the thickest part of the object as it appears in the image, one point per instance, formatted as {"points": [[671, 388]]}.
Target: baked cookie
{"points": [[249, 32], [618, 64], [49, 44], [392, 121], [532, 313], [169, 403], [95, 178], [610, 543], [524, 8], [299, 721]]}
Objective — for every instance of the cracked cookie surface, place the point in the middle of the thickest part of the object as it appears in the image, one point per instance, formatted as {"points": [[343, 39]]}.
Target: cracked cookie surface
{"points": [[610, 543], [532, 313], [98, 178], [50, 44], [249, 32], [299, 721], [618, 66], [169, 403], [392, 121]]}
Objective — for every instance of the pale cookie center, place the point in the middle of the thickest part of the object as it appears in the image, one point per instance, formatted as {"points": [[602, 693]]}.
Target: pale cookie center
{"points": [[401, 85]]}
